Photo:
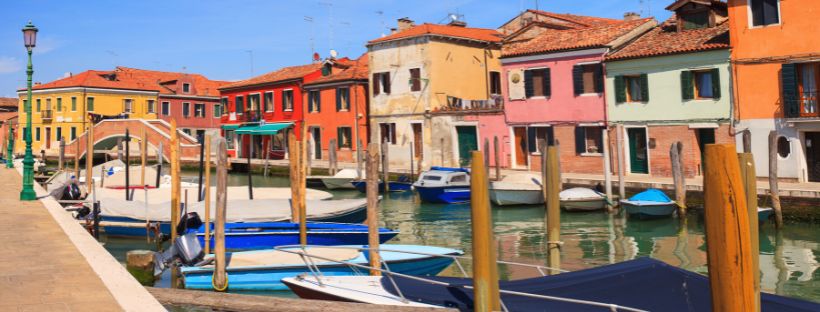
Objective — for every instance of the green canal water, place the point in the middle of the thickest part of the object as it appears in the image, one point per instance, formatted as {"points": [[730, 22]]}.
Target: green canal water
{"points": [[788, 260]]}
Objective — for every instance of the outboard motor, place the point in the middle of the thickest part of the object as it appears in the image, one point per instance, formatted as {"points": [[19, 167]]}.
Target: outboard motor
{"points": [[189, 220], [186, 248]]}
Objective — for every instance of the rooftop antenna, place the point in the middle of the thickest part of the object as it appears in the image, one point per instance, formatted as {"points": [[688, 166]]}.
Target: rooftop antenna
{"points": [[309, 19], [330, 22], [250, 53], [381, 19]]}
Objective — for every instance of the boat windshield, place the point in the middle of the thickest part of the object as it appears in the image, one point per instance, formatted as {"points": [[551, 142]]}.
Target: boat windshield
{"points": [[459, 178], [432, 178]]}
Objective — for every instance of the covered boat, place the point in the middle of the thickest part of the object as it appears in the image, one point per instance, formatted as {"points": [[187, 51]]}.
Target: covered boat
{"points": [[652, 203], [444, 185], [270, 234], [582, 199], [763, 214], [342, 179], [395, 186], [517, 189]]}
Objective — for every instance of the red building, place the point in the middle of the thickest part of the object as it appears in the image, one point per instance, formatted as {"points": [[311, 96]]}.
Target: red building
{"points": [[337, 109]]}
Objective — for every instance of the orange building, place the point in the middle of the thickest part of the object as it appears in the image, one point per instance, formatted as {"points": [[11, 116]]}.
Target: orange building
{"points": [[776, 71]]}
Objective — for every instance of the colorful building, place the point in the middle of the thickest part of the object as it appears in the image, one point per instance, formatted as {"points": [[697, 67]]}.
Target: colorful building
{"points": [[424, 81], [337, 107], [8, 120], [672, 84], [553, 86], [776, 77]]}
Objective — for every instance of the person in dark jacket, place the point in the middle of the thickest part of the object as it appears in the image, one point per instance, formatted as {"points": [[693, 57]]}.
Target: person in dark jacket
{"points": [[72, 190]]}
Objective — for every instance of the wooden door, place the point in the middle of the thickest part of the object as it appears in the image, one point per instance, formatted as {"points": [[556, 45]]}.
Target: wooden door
{"points": [[520, 141], [317, 142], [813, 155], [467, 142], [48, 137], [638, 153], [418, 141]]}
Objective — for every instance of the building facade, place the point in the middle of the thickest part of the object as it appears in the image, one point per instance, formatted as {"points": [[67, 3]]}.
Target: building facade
{"points": [[8, 121], [776, 78]]}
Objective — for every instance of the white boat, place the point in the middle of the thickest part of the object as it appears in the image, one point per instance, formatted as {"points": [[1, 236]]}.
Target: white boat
{"points": [[342, 179], [582, 199], [443, 185], [517, 189]]}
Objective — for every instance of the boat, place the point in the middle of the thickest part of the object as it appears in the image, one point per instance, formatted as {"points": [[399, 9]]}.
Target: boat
{"points": [[764, 214], [444, 185], [643, 284], [517, 189], [263, 270], [314, 181], [395, 186], [582, 199], [652, 203], [341, 180], [270, 234]]}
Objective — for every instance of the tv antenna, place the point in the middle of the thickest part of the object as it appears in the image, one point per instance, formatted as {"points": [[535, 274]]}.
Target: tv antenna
{"points": [[330, 21], [309, 19], [381, 19]]}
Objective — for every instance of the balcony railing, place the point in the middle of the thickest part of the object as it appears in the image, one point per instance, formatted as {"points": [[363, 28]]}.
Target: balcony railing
{"points": [[455, 104], [47, 115], [250, 116], [804, 106]]}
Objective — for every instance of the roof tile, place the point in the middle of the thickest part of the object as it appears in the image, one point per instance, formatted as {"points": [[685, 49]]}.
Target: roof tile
{"points": [[552, 40], [358, 70], [480, 34], [286, 73], [665, 39]]}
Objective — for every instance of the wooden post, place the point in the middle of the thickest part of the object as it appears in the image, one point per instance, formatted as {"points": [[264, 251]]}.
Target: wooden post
{"points": [[676, 157], [331, 154], [359, 159], [551, 178], [220, 276], [309, 153], [372, 171], [102, 176], [607, 171], [727, 239], [619, 144], [61, 160], [201, 166], [773, 187], [442, 152], [250, 179], [302, 185], [293, 157], [159, 163], [143, 158], [749, 178], [497, 152], [412, 159], [207, 194], [77, 158], [89, 158], [127, 164], [485, 269], [487, 155], [267, 155], [747, 141], [175, 180], [386, 166]]}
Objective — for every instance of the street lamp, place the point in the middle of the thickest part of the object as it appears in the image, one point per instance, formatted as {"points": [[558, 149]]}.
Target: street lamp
{"points": [[10, 151], [29, 39]]}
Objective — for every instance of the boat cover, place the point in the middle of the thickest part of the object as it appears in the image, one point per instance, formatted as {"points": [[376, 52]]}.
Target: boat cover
{"points": [[643, 283], [518, 181], [651, 195], [450, 169], [163, 195], [580, 193]]}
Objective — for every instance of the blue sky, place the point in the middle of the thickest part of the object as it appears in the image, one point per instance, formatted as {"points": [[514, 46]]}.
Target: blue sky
{"points": [[213, 37]]}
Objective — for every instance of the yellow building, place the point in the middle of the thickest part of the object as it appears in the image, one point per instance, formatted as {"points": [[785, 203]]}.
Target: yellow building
{"points": [[65, 107]]}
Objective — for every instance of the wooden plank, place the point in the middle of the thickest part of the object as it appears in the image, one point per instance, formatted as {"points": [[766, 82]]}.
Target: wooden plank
{"points": [[220, 278], [485, 268], [372, 160], [774, 189], [749, 178]]}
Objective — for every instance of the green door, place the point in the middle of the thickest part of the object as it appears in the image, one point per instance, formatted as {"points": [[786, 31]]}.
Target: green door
{"points": [[638, 158], [467, 142], [705, 136]]}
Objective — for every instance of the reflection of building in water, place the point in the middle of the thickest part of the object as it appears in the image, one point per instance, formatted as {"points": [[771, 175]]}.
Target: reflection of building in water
{"points": [[791, 260], [683, 251]]}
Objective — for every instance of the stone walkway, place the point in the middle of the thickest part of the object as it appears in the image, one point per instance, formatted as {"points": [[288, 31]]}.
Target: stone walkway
{"points": [[40, 268]]}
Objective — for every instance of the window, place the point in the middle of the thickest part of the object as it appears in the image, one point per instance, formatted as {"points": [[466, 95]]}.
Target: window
{"points": [[415, 79], [37, 134], [73, 133], [589, 140], [633, 88], [73, 104], [166, 108], [127, 105], [537, 82], [59, 104], [538, 135], [287, 100], [808, 77], [186, 109], [700, 84], [253, 102], [314, 101], [703, 85], [268, 101], [784, 149], [388, 132], [342, 99], [186, 87], [38, 105], [199, 110], [187, 131], [495, 82], [59, 133], [217, 110], [459, 178], [695, 20], [48, 104], [588, 78], [152, 106], [764, 12], [230, 136], [344, 135], [224, 105], [428, 177], [381, 83], [25, 105], [89, 104], [240, 105]]}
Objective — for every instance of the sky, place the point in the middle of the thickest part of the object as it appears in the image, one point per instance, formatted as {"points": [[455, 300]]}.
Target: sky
{"points": [[236, 39]]}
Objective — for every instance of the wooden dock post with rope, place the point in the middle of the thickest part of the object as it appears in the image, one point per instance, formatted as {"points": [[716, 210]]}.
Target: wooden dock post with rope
{"points": [[551, 178], [678, 177], [220, 278], [207, 195]]}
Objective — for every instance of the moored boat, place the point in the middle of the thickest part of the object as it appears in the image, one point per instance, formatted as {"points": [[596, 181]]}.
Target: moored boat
{"points": [[582, 199], [517, 189], [764, 214], [342, 179], [652, 203], [270, 234], [395, 186], [444, 185]]}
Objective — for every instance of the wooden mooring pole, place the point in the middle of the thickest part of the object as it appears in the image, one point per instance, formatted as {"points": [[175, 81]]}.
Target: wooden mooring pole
{"points": [[372, 171], [607, 171], [201, 166], [412, 159], [386, 166], [551, 178], [220, 278], [485, 269], [207, 195], [77, 158], [619, 145], [61, 160], [143, 160], [127, 164], [359, 159], [774, 190], [159, 163], [442, 152], [301, 184], [175, 194], [487, 155], [728, 242], [497, 157], [102, 176], [678, 178], [749, 178], [250, 175], [293, 158], [331, 154], [89, 158]]}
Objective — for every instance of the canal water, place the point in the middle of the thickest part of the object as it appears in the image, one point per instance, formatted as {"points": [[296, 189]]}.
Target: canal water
{"points": [[788, 260]]}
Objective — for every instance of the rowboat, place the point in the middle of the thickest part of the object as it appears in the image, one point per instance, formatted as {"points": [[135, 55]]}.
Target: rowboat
{"points": [[270, 234], [649, 204], [263, 270], [582, 199], [517, 189], [444, 185], [341, 180]]}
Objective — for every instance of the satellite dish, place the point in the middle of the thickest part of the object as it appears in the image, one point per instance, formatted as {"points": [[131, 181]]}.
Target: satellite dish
{"points": [[333, 53], [316, 56]]}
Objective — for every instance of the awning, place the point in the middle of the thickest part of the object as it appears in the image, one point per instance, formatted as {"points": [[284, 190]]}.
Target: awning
{"points": [[230, 127], [266, 129]]}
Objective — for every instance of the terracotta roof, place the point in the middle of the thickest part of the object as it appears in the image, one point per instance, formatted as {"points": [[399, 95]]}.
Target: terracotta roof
{"points": [[358, 70], [202, 86], [665, 39], [580, 20], [7, 115], [286, 73], [552, 40], [4, 102], [480, 34], [99, 79]]}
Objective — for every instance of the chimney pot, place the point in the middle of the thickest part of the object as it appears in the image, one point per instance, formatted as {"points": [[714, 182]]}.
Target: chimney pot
{"points": [[631, 16], [457, 23], [405, 23]]}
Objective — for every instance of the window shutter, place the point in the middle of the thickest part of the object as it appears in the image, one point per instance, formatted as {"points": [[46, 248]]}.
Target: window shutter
{"points": [[770, 15], [318, 101], [375, 83], [547, 82], [620, 89], [393, 133], [578, 79], [757, 12], [715, 83], [580, 140], [386, 77], [310, 101], [338, 99], [687, 90], [339, 137], [644, 88], [528, 88], [788, 73], [599, 78], [531, 144]]}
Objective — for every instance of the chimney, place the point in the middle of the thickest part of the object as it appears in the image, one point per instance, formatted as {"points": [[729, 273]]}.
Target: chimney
{"points": [[37, 83], [457, 23], [631, 16], [393, 31], [405, 24]]}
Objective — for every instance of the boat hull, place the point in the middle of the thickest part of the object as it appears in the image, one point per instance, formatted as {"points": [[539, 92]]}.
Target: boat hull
{"points": [[584, 204], [338, 183], [516, 197], [267, 235], [314, 182], [444, 194], [394, 186], [650, 211]]}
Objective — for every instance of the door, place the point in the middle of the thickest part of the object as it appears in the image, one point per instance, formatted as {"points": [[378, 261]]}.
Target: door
{"points": [[705, 136], [813, 155], [520, 141], [317, 142], [48, 137], [467, 142], [638, 157], [418, 140]]}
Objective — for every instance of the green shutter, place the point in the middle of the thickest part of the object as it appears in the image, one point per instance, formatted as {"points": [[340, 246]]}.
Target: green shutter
{"points": [[73, 104], [620, 89], [788, 78], [338, 99], [38, 104], [547, 82], [715, 83], [578, 79], [59, 104], [644, 88], [339, 137], [528, 88], [580, 140], [687, 90], [599, 78], [90, 105]]}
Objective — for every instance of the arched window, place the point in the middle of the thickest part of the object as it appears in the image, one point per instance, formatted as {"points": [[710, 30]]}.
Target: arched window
{"points": [[784, 149]]}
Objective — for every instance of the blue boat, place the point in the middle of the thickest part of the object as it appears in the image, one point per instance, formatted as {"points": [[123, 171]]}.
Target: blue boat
{"points": [[650, 204], [263, 270], [395, 186], [444, 185], [270, 234]]}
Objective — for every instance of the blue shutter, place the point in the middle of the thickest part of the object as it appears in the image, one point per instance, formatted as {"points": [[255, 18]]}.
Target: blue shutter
{"points": [[788, 77]]}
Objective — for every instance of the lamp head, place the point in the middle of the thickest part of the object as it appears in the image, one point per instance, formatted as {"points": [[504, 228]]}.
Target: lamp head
{"points": [[29, 36]]}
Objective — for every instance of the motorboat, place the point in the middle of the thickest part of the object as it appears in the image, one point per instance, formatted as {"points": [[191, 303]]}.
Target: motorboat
{"points": [[265, 235], [649, 204], [342, 179], [582, 199], [517, 189], [444, 185], [402, 185]]}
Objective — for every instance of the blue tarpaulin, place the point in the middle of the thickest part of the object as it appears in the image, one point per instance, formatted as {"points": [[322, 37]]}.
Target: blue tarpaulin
{"points": [[652, 195], [643, 283]]}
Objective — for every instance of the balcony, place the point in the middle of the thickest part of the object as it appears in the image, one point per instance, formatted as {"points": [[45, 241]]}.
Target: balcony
{"points": [[804, 106], [250, 116], [47, 115], [457, 105]]}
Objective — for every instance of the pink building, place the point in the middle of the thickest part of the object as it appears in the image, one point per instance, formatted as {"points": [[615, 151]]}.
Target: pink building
{"points": [[554, 90]]}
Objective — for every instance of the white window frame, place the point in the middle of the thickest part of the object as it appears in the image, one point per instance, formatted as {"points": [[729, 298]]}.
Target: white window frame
{"points": [[250, 95], [148, 107], [128, 105], [183, 109], [86, 103], [284, 107], [186, 85], [204, 110], [348, 98], [272, 101], [73, 103], [215, 106], [586, 148], [523, 73], [750, 19], [244, 105]]}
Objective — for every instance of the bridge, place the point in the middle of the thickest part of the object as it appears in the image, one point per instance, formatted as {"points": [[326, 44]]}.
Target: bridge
{"points": [[107, 133]]}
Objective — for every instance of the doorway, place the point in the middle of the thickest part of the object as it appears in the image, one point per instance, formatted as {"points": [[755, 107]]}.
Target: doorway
{"points": [[317, 142], [418, 140], [704, 136], [48, 137], [467, 142], [638, 153], [813, 156], [520, 141]]}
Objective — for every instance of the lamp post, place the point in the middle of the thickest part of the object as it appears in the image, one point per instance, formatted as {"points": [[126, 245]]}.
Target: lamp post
{"points": [[29, 38], [10, 151]]}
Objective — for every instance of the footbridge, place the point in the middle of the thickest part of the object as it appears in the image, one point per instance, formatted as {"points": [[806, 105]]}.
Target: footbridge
{"points": [[109, 131]]}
